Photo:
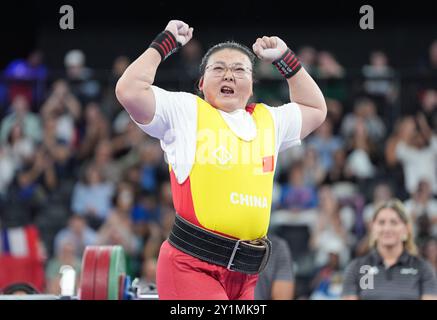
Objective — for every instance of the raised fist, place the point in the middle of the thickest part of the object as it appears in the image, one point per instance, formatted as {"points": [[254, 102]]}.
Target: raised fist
{"points": [[182, 31], [269, 48]]}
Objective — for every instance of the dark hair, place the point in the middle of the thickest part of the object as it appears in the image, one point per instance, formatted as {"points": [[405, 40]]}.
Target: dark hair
{"points": [[19, 286], [222, 46], [226, 45]]}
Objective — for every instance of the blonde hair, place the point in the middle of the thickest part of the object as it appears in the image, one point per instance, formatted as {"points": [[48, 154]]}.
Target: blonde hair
{"points": [[397, 206]]}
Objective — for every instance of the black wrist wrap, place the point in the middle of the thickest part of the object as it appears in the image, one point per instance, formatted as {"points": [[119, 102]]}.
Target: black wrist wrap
{"points": [[165, 43], [288, 64]]}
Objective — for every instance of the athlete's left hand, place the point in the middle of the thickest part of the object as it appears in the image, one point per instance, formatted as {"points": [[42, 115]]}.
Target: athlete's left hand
{"points": [[269, 48]]}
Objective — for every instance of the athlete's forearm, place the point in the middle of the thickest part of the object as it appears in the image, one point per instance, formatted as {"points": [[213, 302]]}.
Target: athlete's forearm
{"points": [[305, 91], [133, 89]]}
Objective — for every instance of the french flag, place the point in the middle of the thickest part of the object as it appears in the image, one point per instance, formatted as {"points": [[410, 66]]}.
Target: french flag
{"points": [[21, 242]]}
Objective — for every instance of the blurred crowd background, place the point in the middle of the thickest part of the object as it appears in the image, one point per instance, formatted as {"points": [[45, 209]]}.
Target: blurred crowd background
{"points": [[76, 171]]}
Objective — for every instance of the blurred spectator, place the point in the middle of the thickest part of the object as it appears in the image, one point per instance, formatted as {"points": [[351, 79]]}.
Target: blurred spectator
{"points": [[165, 197], [146, 214], [27, 77], [330, 73], [7, 170], [325, 143], [429, 252], [59, 150], [66, 108], [379, 77], [393, 168], [328, 66], [148, 274], [188, 68], [401, 125], [132, 175], [429, 66], [127, 136], [296, 195], [335, 114], [326, 284], [110, 104], [314, 173], [266, 71], [307, 56], [331, 229], [428, 106], [104, 159], [29, 122], [33, 184], [276, 282], [13, 154], [159, 234], [433, 56], [269, 92], [125, 150], [364, 110], [118, 227], [41, 170], [423, 203], [16, 204], [382, 192], [416, 150], [339, 172], [360, 162], [424, 229], [76, 233], [150, 156], [20, 146], [80, 77], [92, 196], [95, 128], [66, 254]]}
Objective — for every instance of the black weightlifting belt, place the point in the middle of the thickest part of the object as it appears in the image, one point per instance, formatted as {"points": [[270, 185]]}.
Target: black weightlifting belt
{"points": [[249, 257]]}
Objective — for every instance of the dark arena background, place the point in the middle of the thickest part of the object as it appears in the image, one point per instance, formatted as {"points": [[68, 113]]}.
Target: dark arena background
{"points": [[76, 172]]}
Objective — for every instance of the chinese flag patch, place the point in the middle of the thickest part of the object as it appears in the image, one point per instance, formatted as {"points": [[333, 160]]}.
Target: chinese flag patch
{"points": [[268, 164]]}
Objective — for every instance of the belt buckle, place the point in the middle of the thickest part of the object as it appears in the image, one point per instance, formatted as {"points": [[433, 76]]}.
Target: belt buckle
{"points": [[231, 259], [268, 245]]}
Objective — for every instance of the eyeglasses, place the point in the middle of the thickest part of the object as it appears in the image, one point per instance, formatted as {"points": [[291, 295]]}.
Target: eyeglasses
{"points": [[238, 70]]}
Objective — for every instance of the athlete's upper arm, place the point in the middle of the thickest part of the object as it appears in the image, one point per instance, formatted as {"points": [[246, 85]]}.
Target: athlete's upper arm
{"points": [[312, 118]]}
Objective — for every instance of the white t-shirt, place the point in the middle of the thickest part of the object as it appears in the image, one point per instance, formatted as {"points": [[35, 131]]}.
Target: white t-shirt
{"points": [[418, 164], [175, 125], [419, 209]]}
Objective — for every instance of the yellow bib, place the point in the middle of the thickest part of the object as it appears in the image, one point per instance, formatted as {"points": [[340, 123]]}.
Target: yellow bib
{"points": [[232, 179]]}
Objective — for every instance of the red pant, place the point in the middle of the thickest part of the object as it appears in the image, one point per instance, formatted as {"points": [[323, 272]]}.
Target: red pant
{"points": [[180, 276]]}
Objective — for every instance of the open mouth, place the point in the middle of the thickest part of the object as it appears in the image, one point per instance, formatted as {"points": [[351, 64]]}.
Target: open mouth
{"points": [[227, 90]]}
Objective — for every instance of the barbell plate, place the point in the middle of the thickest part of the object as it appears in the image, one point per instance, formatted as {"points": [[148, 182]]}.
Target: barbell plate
{"points": [[118, 268], [86, 291], [121, 284], [103, 265]]}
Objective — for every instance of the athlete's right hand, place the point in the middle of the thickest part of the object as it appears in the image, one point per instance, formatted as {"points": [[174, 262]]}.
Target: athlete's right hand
{"points": [[182, 31]]}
